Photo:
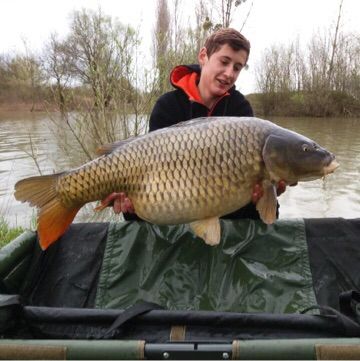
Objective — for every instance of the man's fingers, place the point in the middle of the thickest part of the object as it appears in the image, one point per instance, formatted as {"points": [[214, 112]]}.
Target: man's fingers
{"points": [[117, 206], [120, 203], [123, 200], [257, 193], [108, 201], [129, 206], [122, 196], [281, 187]]}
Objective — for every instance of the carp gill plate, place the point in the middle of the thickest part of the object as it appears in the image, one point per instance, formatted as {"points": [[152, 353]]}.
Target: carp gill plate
{"points": [[193, 172]]}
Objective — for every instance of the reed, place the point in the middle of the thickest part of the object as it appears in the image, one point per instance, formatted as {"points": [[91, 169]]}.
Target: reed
{"points": [[8, 233]]}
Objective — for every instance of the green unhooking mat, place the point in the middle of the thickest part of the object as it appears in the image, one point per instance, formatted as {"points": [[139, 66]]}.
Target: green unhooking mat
{"points": [[256, 268], [259, 275]]}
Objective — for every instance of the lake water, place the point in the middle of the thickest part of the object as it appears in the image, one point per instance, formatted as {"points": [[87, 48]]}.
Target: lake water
{"points": [[336, 196]]}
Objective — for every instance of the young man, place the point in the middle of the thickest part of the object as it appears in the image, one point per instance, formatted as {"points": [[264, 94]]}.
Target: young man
{"points": [[207, 89], [204, 89]]}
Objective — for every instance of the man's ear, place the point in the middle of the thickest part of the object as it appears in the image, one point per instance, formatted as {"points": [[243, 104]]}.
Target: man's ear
{"points": [[202, 56]]}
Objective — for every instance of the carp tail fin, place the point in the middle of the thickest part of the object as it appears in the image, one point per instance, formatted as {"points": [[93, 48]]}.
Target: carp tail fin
{"points": [[53, 217]]}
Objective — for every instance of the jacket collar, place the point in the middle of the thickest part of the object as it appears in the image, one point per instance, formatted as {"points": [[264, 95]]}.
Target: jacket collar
{"points": [[186, 78]]}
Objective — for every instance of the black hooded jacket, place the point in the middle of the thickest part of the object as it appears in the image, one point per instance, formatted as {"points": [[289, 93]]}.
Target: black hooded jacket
{"points": [[185, 103]]}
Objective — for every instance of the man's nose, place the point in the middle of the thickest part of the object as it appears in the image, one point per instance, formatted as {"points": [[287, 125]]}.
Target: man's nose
{"points": [[229, 72]]}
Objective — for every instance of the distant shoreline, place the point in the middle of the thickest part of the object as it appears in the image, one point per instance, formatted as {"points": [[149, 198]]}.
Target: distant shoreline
{"points": [[24, 107], [286, 109]]}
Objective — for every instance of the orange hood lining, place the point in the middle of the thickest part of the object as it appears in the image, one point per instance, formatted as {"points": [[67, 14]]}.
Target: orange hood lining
{"points": [[186, 79]]}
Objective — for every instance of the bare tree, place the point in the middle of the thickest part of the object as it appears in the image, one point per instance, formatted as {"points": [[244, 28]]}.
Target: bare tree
{"points": [[320, 80], [56, 65], [94, 67], [334, 45], [34, 75], [162, 44], [225, 12], [22, 79], [227, 8]]}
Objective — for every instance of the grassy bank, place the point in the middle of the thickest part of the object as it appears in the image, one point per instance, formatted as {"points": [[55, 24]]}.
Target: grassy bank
{"points": [[298, 104], [7, 233], [305, 104]]}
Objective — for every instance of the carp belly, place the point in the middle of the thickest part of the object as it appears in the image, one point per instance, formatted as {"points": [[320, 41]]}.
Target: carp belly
{"points": [[184, 205]]}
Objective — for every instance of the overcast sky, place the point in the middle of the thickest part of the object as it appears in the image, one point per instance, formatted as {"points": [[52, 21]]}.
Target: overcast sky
{"points": [[270, 22]]}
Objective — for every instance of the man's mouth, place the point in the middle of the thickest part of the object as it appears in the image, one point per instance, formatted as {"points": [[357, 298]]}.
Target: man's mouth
{"points": [[223, 82]]}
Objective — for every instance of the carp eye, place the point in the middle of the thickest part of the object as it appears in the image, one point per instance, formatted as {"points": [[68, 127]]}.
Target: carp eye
{"points": [[305, 148]]}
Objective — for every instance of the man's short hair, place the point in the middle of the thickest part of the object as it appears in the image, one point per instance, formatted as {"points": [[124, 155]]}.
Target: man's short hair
{"points": [[229, 36]]}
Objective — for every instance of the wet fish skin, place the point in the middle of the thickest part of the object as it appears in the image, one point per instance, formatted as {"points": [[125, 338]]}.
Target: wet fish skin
{"points": [[175, 176], [195, 171]]}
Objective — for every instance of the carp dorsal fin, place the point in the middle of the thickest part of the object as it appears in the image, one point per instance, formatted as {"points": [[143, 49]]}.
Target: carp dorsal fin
{"points": [[267, 204], [195, 121], [207, 229], [110, 147]]}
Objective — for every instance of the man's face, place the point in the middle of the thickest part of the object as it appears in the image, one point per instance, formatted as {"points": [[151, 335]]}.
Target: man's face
{"points": [[220, 71]]}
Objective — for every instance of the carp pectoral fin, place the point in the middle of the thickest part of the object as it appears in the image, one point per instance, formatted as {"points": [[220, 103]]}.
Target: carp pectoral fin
{"points": [[207, 229], [267, 204]]}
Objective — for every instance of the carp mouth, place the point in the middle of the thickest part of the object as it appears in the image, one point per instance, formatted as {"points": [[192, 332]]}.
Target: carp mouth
{"points": [[331, 167]]}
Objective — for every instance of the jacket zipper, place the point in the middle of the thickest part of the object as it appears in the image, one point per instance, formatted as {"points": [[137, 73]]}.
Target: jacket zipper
{"points": [[216, 103]]}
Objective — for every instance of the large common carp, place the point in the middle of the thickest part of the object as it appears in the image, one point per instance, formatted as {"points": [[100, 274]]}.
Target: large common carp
{"points": [[193, 172]]}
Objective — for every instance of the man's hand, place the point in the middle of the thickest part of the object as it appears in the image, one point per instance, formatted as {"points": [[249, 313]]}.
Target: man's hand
{"points": [[258, 191], [281, 188], [119, 201]]}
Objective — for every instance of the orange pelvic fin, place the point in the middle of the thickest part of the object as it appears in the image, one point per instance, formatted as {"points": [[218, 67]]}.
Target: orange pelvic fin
{"points": [[208, 229], [53, 217]]}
